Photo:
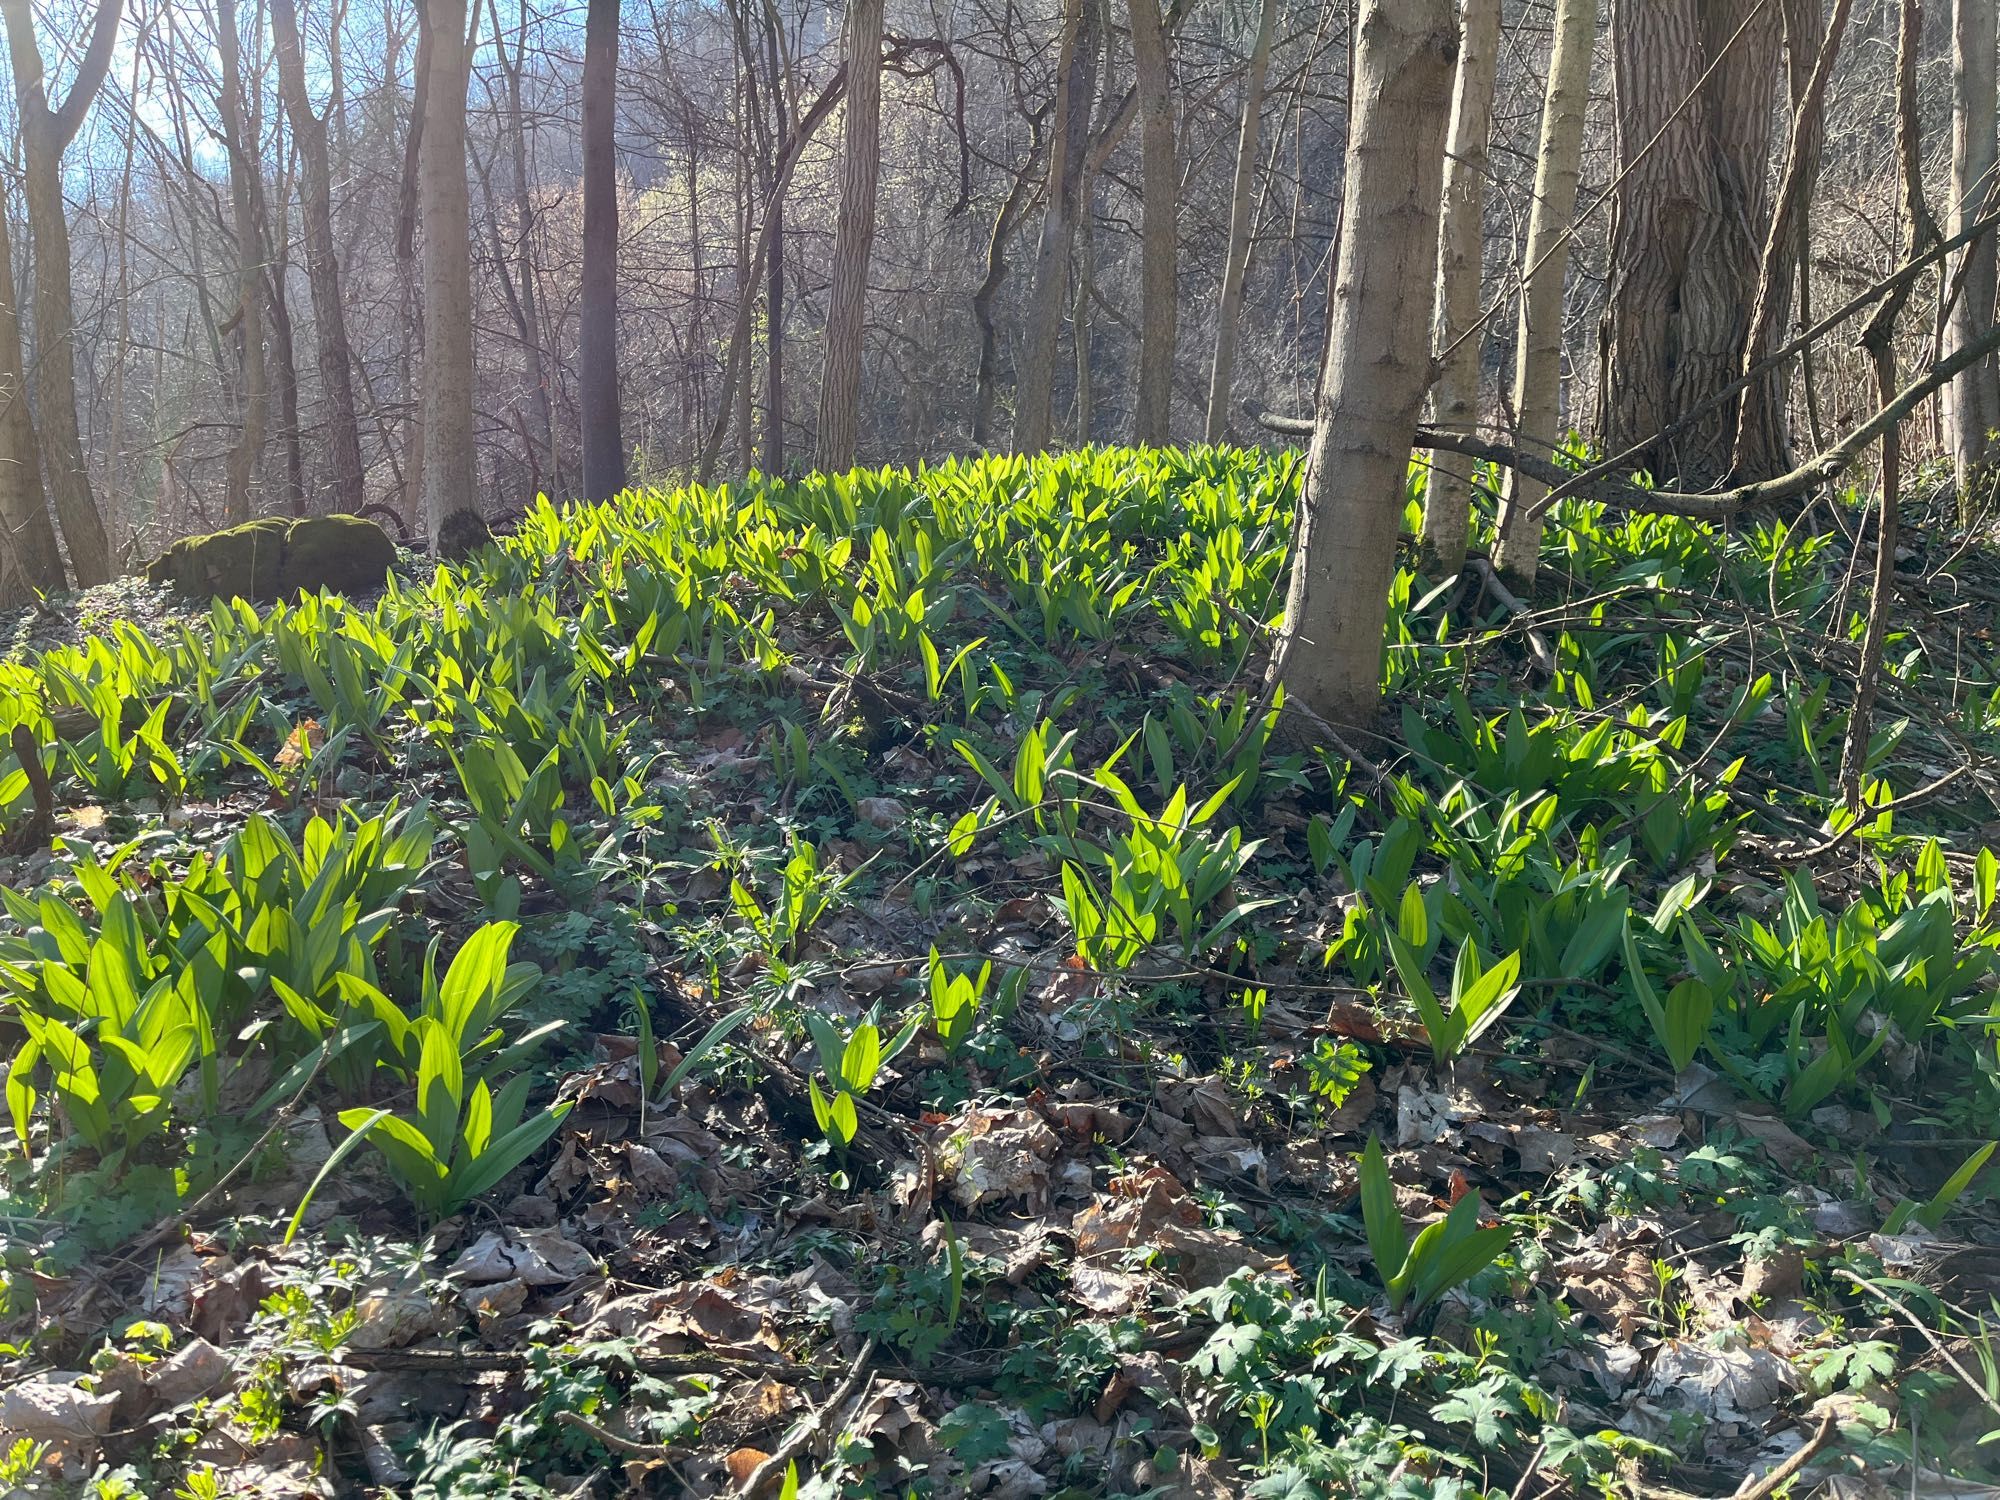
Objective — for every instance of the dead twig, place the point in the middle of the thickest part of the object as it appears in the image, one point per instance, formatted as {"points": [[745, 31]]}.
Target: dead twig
{"points": [[795, 1443], [1787, 1471]]}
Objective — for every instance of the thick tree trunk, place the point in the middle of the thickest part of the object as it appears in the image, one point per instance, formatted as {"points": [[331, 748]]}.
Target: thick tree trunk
{"points": [[451, 458], [1972, 401], [1159, 291], [1690, 219], [1461, 257], [29, 559], [1329, 657], [1539, 344], [854, 235], [1242, 193], [597, 352], [45, 135], [240, 471], [1076, 87], [335, 360]]}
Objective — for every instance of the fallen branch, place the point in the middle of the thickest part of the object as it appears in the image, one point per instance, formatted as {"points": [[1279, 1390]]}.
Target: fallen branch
{"points": [[1787, 1471]]}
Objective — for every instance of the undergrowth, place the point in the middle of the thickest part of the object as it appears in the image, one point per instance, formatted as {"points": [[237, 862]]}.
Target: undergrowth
{"points": [[889, 907]]}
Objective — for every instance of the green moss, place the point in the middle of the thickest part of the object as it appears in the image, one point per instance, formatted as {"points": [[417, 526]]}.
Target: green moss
{"points": [[276, 558], [348, 554]]}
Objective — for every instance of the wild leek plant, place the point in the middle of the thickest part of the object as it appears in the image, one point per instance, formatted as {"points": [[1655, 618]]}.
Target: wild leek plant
{"points": [[1444, 1255]]}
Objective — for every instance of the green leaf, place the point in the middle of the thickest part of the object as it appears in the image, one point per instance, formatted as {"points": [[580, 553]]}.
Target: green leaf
{"points": [[1444, 1032], [1412, 920], [360, 1122], [1388, 1241], [714, 1037], [1487, 1000], [861, 1059]]}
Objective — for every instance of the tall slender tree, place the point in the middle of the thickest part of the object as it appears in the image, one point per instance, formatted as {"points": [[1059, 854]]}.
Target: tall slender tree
{"points": [[1461, 256], [29, 559], [1972, 400], [450, 461], [336, 360], [1539, 347], [46, 132], [853, 239], [1076, 89], [1236, 259], [1159, 190], [247, 319], [597, 351]]}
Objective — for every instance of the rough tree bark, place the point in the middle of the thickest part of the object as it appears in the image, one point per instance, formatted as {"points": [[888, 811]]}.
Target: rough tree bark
{"points": [[336, 361], [29, 558], [597, 351], [1690, 216], [450, 463], [1972, 401], [1539, 343], [1076, 87], [1242, 195], [1159, 291], [853, 237], [1329, 656], [1461, 257], [45, 134]]}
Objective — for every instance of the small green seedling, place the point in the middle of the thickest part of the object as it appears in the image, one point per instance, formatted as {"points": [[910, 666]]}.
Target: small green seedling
{"points": [[1444, 1255]]}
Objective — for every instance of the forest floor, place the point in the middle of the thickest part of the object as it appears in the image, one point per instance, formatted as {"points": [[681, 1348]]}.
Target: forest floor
{"points": [[836, 988]]}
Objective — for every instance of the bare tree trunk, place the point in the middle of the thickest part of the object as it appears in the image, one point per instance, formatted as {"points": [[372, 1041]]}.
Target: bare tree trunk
{"points": [[45, 134], [854, 234], [450, 466], [1972, 401], [751, 255], [527, 299], [597, 353], [1076, 85], [1461, 257], [1329, 657], [1879, 340], [336, 362], [1242, 193], [1690, 213], [986, 387], [248, 318], [29, 558], [1159, 291], [1538, 354], [784, 112], [1812, 45], [1085, 256]]}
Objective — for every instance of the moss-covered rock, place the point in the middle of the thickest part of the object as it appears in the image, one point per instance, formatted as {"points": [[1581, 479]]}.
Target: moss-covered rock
{"points": [[276, 558], [347, 554]]}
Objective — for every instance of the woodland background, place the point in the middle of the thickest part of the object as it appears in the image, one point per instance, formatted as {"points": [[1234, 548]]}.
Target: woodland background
{"points": [[201, 382]]}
